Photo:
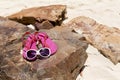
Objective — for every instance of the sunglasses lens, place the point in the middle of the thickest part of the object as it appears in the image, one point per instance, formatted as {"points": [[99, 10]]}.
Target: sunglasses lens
{"points": [[31, 53], [44, 52]]}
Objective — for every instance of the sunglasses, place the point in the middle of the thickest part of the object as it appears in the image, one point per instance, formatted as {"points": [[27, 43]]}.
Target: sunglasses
{"points": [[32, 54]]}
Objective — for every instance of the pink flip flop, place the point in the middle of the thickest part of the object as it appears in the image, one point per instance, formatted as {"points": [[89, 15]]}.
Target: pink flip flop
{"points": [[30, 50]]}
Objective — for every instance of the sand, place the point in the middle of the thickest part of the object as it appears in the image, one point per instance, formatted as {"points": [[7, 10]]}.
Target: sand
{"points": [[106, 12]]}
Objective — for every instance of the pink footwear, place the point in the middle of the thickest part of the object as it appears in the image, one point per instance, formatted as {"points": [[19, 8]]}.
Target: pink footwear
{"points": [[30, 50], [47, 42]]}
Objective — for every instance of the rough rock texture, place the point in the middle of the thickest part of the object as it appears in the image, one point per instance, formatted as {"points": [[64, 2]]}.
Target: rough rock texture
{"points": [[105, 39], [10, 31], [64, 65], [70, 57], [55, 14], [43, 25], [10, 45]]}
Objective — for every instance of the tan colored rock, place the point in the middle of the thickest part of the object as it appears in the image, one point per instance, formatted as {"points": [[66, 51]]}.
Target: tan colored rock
{"points": [[64, 65], [11, 31], [10, 45], [105, 39], [55, 14], [43, 25]]}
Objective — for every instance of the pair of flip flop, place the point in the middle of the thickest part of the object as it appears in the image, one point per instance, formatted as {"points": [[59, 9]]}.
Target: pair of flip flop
{"points": [[32, 49]]}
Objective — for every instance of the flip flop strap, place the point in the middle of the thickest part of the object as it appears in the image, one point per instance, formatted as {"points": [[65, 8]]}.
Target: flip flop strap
{"points": [[42, 37], [33, 38], [24, 41], [30, 42]]}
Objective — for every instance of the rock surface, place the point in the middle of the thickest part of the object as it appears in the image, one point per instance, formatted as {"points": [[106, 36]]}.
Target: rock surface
{"points": [[43, 25], [55, 14], [10, 32], [105, 39], [10, 45], [64, 65]]}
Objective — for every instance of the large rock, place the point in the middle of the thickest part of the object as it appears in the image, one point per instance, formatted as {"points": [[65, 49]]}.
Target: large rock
{"points": [[10, 31], [64, 65], [43, 25], [55, 14], [105, 39], [10, 45]]}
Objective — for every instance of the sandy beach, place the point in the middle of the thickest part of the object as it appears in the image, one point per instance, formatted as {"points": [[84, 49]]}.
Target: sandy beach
{"points": [[106, 12]]}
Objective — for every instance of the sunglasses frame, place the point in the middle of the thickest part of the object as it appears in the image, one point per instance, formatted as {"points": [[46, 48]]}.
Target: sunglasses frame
{"points": [[37, 53]]}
